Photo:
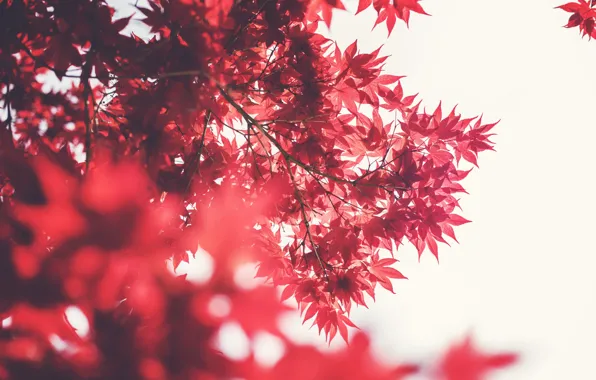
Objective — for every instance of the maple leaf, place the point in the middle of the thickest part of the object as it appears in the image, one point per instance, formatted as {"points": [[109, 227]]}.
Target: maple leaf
{"points": [[218, 10], [231, 246], [404, 7], [390, 10], [583, 15], [57, 218], [464, 362], [381, 270], [355, 362], [62, 54], [326, 7], [256, 319]]}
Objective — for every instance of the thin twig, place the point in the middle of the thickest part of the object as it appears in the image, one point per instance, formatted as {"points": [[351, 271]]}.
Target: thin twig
{"points": [[86, 95], [194, 166]]}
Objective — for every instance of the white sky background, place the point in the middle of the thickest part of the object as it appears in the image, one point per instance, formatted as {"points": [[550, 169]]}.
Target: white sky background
{"points": [[522, 277]]}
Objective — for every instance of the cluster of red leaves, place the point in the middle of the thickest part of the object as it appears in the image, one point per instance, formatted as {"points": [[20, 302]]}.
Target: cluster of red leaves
{"points": [[244, 94], [388, 11], [583, 15], [99, 245]]}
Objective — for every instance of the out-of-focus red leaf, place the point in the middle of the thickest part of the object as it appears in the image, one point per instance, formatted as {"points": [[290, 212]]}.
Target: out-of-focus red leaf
{"points": [[464, 362]]}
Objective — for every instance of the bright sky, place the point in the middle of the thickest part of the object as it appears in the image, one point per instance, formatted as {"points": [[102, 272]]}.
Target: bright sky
{"points": [[522, 276]]}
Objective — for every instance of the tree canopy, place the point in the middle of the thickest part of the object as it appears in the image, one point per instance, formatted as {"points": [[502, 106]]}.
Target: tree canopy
{"points": [[237, 127]]}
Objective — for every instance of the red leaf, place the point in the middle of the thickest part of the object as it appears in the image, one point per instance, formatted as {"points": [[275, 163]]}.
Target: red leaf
{"points": [[382, 271], [363, 4], [217, 10], [464, 362], [457, 220], [432, 245], [570, 7]]}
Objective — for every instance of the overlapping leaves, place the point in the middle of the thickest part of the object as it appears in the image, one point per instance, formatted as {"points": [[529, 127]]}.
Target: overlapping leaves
{"points": [[136, 319], [245, 94], [583, 15]]}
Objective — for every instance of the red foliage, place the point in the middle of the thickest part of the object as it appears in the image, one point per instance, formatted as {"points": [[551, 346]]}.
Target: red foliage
{"points": [[236, 127], [463, 362], [583, 15]]}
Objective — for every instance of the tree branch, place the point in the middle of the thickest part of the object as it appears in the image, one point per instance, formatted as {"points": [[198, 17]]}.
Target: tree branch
{"points": [[289, 157]]}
